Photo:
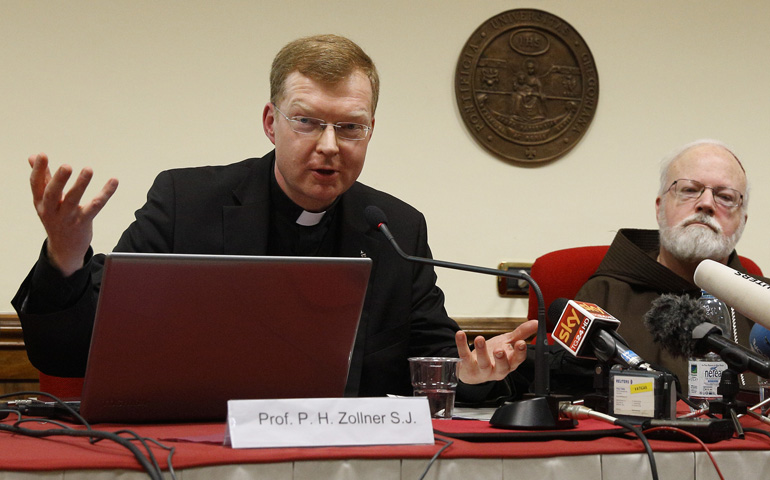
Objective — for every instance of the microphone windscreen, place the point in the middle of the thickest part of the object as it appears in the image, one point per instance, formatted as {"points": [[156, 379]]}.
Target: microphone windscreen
{"points": [[744, 293], [554, 311], [374, 216], [760, 340], [671, 320]]}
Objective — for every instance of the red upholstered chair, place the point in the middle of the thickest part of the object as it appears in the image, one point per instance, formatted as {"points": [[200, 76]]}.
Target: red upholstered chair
{"points": [[561, 273], [751, 267]]}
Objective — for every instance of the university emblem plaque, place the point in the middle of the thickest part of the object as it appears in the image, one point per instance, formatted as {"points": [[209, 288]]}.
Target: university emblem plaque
{"points": [[526, 85]]}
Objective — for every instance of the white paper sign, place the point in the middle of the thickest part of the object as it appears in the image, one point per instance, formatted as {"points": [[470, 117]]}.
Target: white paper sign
{"points": [[315, 422], [633, 396]]}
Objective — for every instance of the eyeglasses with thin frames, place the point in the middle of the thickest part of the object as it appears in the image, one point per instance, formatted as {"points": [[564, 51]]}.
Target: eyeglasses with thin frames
{"points": [[686, 190], [316, 126]]}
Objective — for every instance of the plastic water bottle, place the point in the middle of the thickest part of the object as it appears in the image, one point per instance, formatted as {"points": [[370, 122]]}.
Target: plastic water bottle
{"points": [[705, 371], [718, 313]]}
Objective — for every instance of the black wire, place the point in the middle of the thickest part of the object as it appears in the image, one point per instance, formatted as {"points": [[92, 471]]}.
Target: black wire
{"points": [[171, 451], [139, 439], [756, 430], [143, 441], [154, 474], [148, 462], [647, 447], [433, 459], [694, 406], [56, 400], [4, 412], [41, 420]]}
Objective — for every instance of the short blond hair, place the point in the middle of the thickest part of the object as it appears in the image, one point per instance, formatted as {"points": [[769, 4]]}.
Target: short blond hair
{"points": [[326, 59]]}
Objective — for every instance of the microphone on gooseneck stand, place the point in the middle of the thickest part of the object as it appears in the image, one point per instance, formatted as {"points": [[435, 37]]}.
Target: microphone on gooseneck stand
{"points": [[542, 409]]}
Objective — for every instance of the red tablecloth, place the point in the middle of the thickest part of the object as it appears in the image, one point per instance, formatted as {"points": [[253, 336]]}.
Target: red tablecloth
{"points": [[201, 445]]}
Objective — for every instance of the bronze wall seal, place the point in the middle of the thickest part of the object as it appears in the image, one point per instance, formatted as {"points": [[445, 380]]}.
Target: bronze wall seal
{"points": [[526, 85]]}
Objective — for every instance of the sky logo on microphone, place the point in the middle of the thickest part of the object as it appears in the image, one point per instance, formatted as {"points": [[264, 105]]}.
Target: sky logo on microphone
{"points": [[568, 331], [575, 322], [595, 310]]}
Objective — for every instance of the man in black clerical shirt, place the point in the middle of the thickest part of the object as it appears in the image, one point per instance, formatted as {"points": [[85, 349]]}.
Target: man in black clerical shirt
{"points": [[300, 199], [294, 231]]}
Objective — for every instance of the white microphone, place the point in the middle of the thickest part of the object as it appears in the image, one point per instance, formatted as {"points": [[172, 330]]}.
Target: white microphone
{"points": [[743, 292]]}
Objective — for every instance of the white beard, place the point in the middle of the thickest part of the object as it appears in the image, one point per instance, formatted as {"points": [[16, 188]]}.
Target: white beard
{"points": [[694, 243]]}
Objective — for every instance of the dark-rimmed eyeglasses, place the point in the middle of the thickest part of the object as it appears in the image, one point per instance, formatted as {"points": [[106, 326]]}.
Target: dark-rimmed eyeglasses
{"points": [[316, 126], [686, 190]]}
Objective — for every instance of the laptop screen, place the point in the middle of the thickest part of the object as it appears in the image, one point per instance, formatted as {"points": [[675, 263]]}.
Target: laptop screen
{"points": [[176, 336]]}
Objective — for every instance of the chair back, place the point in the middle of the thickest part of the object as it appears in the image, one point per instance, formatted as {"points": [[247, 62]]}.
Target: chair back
{"points": [[751, 267], [561, 273]]}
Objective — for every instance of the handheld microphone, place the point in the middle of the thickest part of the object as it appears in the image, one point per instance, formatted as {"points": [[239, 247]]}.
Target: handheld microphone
{"points": [[680, 326], [587, 331], [743, 292], [540, 411]]}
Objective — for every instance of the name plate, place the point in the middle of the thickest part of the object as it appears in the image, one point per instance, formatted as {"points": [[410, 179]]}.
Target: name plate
{"points": [[322, 422]]}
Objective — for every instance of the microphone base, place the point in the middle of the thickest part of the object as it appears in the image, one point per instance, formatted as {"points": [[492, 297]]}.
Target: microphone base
{"points": [[532, 413], [729, 406]]}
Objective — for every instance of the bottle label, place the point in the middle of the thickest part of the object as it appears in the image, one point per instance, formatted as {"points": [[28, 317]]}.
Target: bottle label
{"points": [[704, 377]]}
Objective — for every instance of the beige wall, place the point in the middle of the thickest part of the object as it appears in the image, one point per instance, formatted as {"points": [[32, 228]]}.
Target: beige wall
{"points": [[134, 87]]}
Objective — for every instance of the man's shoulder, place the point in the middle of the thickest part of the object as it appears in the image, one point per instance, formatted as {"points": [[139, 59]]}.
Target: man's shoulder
{"points": [[632, 259], [206, 183], [644, 239], [235, 170]]}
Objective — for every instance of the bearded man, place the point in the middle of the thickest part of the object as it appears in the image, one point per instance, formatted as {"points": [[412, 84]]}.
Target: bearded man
{"points": [[701, 210]]}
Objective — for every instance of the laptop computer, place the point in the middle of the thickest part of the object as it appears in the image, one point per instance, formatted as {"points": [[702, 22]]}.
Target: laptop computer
{"points": [[177, 336]]}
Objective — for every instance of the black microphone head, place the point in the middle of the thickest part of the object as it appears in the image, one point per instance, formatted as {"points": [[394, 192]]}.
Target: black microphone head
{"points": [[555, 309], [375, 216], [671, 321]]}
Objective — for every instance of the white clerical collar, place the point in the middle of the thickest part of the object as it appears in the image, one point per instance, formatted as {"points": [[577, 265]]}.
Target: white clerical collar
{"points": [[309, 219]]}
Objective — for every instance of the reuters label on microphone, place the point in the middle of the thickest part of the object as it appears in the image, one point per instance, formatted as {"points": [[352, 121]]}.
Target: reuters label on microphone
{"points": [[575, 323]]}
